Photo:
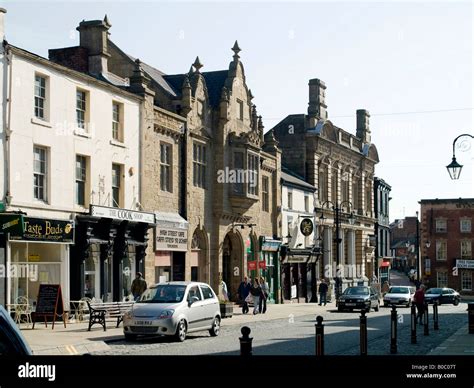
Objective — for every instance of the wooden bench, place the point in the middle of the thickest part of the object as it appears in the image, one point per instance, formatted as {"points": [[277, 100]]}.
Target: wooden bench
{"points": [[99, 312]]}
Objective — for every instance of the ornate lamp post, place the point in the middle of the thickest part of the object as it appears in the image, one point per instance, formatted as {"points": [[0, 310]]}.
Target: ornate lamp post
{"points": [[337, 222], [454, 168]]}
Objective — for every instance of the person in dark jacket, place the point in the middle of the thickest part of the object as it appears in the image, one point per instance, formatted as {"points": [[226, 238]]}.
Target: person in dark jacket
{"points": [[138, 286], [244, 291], [419, 299], [323, 291], [256, 292]]}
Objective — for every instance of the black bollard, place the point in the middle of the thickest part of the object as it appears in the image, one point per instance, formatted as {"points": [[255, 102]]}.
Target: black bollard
{"points": [[425, 320], [435, 315], [393, 331], [245, 342], [319, 336], [363, 333], [413, 324]]}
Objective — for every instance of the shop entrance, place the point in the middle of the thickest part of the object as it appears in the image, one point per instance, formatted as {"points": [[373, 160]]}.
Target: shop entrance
{"points": [[232, 264], [179, 265]]}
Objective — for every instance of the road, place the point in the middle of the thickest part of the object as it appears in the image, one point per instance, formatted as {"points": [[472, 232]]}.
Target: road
{"points": [[296, 336]]}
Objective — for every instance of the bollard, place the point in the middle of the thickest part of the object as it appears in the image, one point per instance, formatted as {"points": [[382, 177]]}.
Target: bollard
{"points": [[393, 331], [319, 336], [435, 315], [245, 342], [363, 333], [413, 324], [425, 319]]}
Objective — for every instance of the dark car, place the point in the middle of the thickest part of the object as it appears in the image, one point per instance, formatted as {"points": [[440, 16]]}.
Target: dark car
{"points": [[360, 298], [12, 341], [442, 296]]}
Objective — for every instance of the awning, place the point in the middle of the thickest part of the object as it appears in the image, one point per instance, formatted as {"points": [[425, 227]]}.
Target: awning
{"points": [[170, 220]]}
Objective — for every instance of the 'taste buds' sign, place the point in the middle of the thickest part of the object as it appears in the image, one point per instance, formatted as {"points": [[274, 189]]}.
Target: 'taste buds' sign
{"points": [[37, 229]]}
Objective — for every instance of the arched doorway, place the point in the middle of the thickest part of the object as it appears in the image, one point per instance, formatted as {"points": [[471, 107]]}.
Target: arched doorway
{"points": [[199, 267], [232, 263]]}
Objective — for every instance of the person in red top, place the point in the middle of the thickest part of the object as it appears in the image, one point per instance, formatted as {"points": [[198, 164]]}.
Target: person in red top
{"points": [[419, 299]]}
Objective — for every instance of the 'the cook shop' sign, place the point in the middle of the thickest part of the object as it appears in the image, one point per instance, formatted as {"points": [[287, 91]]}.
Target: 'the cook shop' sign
{"points": [[38, 229]]}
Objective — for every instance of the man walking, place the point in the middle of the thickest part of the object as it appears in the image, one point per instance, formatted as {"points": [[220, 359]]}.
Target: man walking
{"points": [[419, 299], [243, 291], [138, 286], [323, 291]]}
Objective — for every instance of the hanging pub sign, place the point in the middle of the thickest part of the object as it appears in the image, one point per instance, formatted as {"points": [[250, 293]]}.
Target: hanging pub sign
{"points": [[45, 230], [306, 227], [251, 265], [262, 264]]}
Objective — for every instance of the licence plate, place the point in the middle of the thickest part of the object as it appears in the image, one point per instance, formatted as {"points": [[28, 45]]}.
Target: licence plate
{"points": [[350, 304], [143, 323]]}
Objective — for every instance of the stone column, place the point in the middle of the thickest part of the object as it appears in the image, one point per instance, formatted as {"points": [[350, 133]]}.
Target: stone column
{"points": [[327, 246], [351, 252]]}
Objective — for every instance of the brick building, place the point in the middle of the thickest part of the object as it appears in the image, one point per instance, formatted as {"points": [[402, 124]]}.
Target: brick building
{"points": [[447, 225], [403, 243]]}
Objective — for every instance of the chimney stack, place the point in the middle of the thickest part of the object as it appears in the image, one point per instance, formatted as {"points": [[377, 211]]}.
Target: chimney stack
{"points": [[363, 127], [317, 101], [3, 11], [94, 37]]}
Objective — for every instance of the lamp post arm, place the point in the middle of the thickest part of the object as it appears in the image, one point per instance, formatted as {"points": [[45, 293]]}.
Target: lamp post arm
{"points": [[455, 140]]}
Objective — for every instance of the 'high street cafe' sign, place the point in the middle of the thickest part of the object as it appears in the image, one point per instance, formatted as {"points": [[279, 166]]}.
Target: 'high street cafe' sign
{"points": [[46, 230], [171, 239], [121, 214]]}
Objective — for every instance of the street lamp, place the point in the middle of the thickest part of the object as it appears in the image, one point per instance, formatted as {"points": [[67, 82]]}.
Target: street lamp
{"points": [[337, 221], [454, 168]]}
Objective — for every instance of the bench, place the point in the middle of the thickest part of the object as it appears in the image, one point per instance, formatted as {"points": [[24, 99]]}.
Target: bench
{"points": [[99, 312]]}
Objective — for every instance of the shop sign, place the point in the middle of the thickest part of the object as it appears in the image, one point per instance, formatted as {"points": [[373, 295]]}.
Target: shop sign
{"points": [[269, 245], [38, 229], [262, 264], [116, 213], [306, 227], [252, 265], [32, 257], [171, 239], [11, 223], [297, 259], [465, 264]]}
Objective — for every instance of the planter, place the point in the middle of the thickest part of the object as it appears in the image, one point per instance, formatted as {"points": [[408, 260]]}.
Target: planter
{"points": [[227, 309]]}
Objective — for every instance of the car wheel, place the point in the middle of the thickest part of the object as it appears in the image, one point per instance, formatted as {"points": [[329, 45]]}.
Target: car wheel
{"points": [[376, 308], [339, 308], [409, 304], [130, 337], [180, 334], [456, 302], [216, 327]]}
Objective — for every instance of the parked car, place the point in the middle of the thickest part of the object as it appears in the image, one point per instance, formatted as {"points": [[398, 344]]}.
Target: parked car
{"points": [[399, 295], [174, 308], [360, 297], [443, 296], [12, 342]]}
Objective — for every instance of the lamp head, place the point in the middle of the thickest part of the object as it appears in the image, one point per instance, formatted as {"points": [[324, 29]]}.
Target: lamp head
{"points": [[454, 169], [351, 219]]}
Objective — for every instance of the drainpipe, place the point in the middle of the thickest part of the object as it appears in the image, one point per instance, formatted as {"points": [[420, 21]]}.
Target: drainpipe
{"points": [[7, 122], [184, 171]]}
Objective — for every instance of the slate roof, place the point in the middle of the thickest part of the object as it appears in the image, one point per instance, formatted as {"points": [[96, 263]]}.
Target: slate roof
{"points": [[292, 179]]}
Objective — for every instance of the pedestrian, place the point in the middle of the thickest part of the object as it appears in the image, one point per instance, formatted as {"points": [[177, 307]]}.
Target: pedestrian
{"points": [[419, 299], [244, 291], [225, 292], [417, 284], [138, 286], [264, 296], [256, 291], [323, 291]]}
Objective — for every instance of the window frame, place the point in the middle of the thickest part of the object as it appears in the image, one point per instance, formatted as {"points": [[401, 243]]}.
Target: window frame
{"points": [[265, 193], [441, 229], [466, 249], [117, 121], [468, 222], [439, 244], [289, 199], [40, 175], [200, 165], [443, 285], [39, 97], [463, 280], [81, 180], [253, 173], [116, 167], [166, 165]]}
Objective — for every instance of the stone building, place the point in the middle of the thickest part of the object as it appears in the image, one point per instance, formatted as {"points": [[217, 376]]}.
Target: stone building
{"points": [[446, 243], [403, 234], [341, 165], [206, 172]]}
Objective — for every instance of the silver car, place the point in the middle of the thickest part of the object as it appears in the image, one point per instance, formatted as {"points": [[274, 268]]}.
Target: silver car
{"points": [[398, 295], [174, 308]]}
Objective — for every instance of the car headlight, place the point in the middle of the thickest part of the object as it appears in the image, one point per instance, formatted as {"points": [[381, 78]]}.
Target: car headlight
{"points": [[166, 314], [128, 315]]}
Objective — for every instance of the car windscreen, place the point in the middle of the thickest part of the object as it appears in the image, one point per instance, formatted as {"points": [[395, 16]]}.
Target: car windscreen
{"points": [[399, 290], [356, 291], [163, 293]]}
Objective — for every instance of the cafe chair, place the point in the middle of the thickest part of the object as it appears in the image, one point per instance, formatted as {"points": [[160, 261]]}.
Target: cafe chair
{"points": [[23, 311]]}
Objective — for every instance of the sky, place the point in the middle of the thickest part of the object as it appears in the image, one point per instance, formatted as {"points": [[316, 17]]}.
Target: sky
{"points": [[409, 64]]}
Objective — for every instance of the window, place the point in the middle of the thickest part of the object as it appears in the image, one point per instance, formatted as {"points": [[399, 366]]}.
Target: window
{"points": [[466, 280], [40, 170], [368, 199], [252, 172], [465, 226], [238, 169], [306, 203], [441, 226], [345, 186], [117, 119], [81, 176], [116, 185], [466, 249], [355, 196], [194, 292], [290, 200], [240, 109], [335, 177], [265, 197], [206, 292], [442, 279], [199, 165], [40, 97], [165, 167], [441, 250], [81, 107], [323, 184]]}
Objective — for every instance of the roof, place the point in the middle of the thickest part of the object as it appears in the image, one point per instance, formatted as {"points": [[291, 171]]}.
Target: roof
{"points": [[293, 179], [446, 200]]}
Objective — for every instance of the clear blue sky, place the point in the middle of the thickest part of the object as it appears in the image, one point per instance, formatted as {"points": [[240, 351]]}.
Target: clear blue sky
{"points": [[389, 58]]}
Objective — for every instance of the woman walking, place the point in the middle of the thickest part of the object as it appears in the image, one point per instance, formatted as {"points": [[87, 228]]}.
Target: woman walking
{"points": [[263, 297], [256, 291]]}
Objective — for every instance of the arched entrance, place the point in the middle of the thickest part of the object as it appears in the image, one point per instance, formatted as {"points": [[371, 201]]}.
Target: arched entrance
{"points": [[232, 263], [199, 267]]}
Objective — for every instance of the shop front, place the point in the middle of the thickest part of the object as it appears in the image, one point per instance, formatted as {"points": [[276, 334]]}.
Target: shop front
{"points": [[270, 264], [109, 250], [171, 245], [38, 255]]}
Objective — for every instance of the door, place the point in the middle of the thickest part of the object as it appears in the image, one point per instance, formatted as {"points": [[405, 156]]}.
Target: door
{"points": [[210, 305], [195, 311]]}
